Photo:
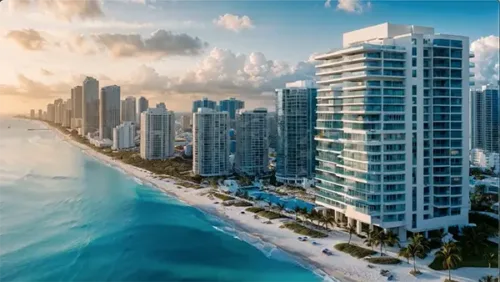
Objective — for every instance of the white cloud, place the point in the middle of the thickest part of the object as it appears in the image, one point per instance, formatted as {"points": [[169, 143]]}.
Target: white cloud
{"points": [[234, 22], [350, 6], [486, 59], [67, 10]]}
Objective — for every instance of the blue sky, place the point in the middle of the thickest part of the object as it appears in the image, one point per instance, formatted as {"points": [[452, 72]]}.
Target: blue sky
{"points": [[257, 47]]}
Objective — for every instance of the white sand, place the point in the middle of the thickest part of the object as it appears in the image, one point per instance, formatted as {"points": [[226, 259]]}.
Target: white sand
{"points": [[340, 265]]}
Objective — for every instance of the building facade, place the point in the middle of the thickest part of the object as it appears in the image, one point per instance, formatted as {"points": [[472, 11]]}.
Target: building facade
{"points": [[109, 111], [204, 103], [186, 123], [40, 114], [252, 143], [123, 136], [157, 134], [210, 142], [295, 116], [90, 106], [32, 113], [77, 101], [485, 118], [51, 112], [128, 109], [142, 105], [392, 140], [58, 111], [231, 106]]}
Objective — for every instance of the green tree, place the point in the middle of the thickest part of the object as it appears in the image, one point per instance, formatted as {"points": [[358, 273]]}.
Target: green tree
{"points": [[418, 246], [351, 229], [381, 240], [473, 239], [405, 252], [392, 239], [490, 257], [450, 255], [488, 278], [370, 239], [329, 221]]}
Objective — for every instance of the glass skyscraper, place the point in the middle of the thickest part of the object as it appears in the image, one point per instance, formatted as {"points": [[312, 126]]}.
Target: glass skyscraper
{"points": [[295, 116]]}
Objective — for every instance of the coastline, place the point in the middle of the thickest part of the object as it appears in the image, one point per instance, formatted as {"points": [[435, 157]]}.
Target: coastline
{"points": [[339, 267]]}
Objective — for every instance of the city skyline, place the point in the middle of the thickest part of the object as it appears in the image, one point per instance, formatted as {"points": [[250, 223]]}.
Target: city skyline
{"points": [[218, 53]]}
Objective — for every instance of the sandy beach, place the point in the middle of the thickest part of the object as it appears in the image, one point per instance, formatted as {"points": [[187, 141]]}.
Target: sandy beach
{"points": [[339, 267]]}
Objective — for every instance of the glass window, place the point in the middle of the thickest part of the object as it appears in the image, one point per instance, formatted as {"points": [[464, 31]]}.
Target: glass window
{"points": [[414, 51], [414, 62]]}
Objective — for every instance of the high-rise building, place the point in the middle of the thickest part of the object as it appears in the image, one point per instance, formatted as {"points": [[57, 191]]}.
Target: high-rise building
{"points": [[142, 105], [295, 116], [186, 123], [58, 111], [392, 129], [90, 106], [161, 105], [66, 112], [128, 109], [252, 142], [123, 136], [51, 113], [204, 103], [210, 142], [485, 118], [77, 101], [231, 106], [272, 129], [40, 114], [32, 113], [157, 134], [109, 111]]}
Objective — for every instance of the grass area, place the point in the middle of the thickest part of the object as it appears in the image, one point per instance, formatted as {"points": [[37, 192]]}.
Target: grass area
{"points": [[383, 260], [469, 260], [222, 196], [269, 214], [254, 209], [189, 185], [353, 250], [302, 230], [242, 204]]}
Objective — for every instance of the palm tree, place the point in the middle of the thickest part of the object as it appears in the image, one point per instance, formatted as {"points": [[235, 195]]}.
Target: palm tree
{"points": [[351, 229], [405, 252], [418, 246], [392, 239], [488, 278], [473, 239], [370, 239], [329, 220], [490, 257], [449, 253]]}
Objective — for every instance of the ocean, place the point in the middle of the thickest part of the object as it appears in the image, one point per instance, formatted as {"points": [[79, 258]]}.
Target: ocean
{"points": [[64, 216]]}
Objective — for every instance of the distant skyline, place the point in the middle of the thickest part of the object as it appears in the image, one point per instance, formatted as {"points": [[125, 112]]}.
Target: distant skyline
{"points": [[179, 51]]}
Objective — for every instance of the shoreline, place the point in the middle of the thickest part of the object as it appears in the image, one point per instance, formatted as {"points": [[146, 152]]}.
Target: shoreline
{"points": [[338, 267]]}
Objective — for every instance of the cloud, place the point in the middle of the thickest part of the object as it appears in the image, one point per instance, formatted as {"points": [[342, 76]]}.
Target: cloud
{"points": [[234, 22], [350, 6], [28, 88], [162, 43], [486, 60], [67, 10], [46, 72], [29, 39]]}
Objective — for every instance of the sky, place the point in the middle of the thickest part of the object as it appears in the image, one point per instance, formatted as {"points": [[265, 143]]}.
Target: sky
{"points": [[177, 51]]}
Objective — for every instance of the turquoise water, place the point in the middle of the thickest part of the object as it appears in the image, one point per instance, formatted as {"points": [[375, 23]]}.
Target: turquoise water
{"points": [[66, 217], [290, 203]]}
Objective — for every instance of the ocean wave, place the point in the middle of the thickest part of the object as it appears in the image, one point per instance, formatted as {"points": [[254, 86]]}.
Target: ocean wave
{"points": [[138, 181]]}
